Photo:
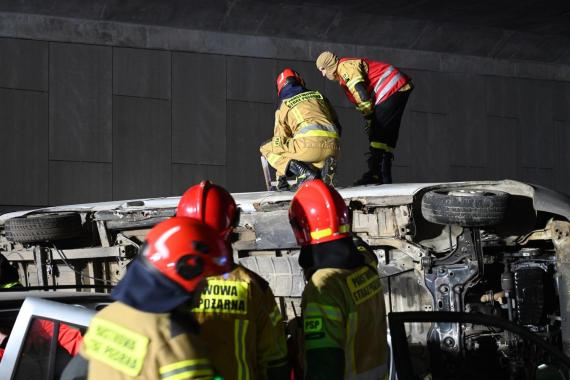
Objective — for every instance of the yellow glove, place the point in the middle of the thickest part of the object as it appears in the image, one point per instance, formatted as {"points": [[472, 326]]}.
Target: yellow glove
{"points": [[366, 108]]}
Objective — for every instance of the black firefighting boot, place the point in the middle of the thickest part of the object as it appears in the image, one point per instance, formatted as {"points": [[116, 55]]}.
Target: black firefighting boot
{"points": [[386, 167], [373, 175], [329, 170], [303, 171], [282, 183]]}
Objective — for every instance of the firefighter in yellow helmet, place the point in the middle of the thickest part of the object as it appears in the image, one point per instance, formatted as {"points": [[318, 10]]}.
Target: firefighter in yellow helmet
{"points": [[305, 140], [147, 332], [344, 318], [238, 316], [380, 92]]}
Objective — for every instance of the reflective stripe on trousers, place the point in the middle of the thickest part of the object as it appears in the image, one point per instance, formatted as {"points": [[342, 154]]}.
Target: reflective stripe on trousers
{"points": [[381, 145], [390, 85], [317, 130], [240, 331]]}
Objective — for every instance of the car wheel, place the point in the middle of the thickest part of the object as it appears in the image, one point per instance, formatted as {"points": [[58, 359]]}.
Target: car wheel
{"points": [[40, 228], [465, 207]]}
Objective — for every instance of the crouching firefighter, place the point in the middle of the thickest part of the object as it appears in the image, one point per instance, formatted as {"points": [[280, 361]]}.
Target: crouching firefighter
{"points": [[147, 333], [305, 141], [344, 319], [238, 316]]}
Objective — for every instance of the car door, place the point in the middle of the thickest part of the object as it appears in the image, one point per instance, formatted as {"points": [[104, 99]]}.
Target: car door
{"points": [[45, 336]]}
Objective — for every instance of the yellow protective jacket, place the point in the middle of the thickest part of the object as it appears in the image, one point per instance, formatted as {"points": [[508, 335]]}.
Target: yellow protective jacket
{"points": [[125, 343], [242, 326], [306, 129], [306, 115], [344, 309]]}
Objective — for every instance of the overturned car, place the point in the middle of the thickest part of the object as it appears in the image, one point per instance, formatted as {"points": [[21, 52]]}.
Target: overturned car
{"points": [[498, 249]]}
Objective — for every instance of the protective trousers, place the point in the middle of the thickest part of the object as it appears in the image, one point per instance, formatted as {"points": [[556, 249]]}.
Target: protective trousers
{"points": [[383, 136], [280, 150], [385, 128]]}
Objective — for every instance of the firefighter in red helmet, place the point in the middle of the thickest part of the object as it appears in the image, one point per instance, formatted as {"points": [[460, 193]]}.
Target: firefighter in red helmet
{"points": [[147, 332], [210, 204], [380, 92], [344, 322], [238, 316], [306, 135]]}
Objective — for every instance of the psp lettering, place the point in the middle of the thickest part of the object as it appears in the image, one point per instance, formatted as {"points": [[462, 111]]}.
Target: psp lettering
{"points": [[313, 324]]}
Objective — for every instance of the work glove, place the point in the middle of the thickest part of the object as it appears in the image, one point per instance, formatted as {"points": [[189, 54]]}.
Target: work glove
{"points": [[366, 108]]}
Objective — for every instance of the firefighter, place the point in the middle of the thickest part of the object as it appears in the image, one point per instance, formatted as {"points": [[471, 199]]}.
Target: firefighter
{"points": [[147, 333], [344, 319], [238, 316], [305, 141], [380, 92]]}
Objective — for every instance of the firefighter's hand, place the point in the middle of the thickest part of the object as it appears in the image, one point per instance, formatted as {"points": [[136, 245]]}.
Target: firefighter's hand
{"points": [[366, 108]]}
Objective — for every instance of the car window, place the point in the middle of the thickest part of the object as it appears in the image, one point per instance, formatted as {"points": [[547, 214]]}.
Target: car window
{"points": [[44, 338], [48, 347]]}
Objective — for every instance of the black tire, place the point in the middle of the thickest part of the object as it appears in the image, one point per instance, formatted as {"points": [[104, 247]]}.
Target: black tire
{"points": [[465, 207], [42, 228]]}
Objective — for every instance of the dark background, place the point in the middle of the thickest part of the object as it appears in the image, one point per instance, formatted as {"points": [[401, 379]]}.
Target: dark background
{"points": [[104, 100]]}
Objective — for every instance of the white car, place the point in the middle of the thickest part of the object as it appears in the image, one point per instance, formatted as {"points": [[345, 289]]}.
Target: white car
{"points": [[46, 333], [495, 248]]}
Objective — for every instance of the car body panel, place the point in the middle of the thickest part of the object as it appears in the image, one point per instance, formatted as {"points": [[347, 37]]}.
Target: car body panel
{"points": [[421, 259]]}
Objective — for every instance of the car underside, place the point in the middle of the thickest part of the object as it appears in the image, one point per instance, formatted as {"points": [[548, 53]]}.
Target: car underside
{"points": [[494, 248]]}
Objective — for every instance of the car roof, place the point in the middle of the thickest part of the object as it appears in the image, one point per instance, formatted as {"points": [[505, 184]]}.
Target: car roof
{"points": [[391, 194], [246, 201]]}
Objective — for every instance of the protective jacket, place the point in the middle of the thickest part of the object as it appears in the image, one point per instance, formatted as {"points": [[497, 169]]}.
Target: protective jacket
{"points": [[306, 129], [380, 80], [343, 309], [125, 343], [242, 327]]}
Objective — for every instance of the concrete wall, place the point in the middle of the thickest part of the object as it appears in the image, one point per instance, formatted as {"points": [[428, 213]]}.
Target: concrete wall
{"points": [[82, 121]]}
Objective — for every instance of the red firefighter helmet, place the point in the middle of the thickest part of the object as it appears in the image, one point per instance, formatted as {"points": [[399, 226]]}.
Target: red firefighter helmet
{"points": [[211, 204], [186, 250], [288, 76], [318, 214]]}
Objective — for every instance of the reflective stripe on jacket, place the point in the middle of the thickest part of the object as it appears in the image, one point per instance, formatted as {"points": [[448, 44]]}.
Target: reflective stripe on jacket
{"points": [[241, 325], [381, 79], [124, 343], [307, 114], [344, 309]]}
